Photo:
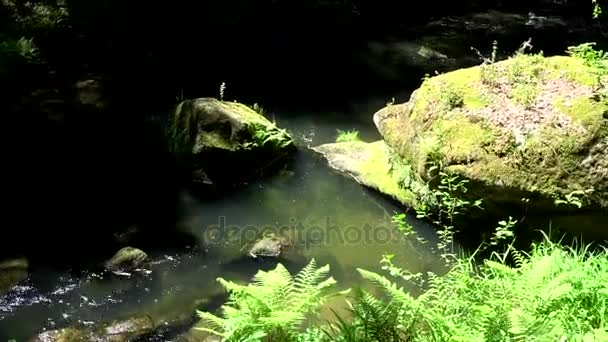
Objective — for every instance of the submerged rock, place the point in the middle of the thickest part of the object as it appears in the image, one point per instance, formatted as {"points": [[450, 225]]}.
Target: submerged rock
{"points": [[116, 331], [528, 127], [126, 260], [11, 273], [268, 246], [226, 142]]}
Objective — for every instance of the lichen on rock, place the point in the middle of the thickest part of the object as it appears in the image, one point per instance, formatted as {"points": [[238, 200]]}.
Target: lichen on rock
{"points": [[528, 126]]}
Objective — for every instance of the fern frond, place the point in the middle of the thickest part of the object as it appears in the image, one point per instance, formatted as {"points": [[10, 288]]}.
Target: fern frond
{"points": [[214, 323], [396, 293]]}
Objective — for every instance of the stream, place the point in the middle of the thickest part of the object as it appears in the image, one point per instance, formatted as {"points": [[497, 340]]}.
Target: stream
{"points": [[325, 216]]}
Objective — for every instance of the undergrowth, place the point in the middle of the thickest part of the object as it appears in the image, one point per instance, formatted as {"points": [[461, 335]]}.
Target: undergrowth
{"points": [[347, 136]]}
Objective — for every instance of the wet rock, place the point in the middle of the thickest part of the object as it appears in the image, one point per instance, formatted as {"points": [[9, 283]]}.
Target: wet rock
{"points": [[224, 143], [127, 259], [89, 92], [369, 165], [116, 331], [11, 273], [268, 246]]}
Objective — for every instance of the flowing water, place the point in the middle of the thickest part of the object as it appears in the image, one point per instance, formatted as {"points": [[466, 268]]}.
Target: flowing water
{"points": [[323, 214]]}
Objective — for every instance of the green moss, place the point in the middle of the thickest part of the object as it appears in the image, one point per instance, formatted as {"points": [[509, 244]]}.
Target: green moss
{"points": [[377, 169], [444, 123], [459, 140], [572, 69], [587, 111], [446, 92]]}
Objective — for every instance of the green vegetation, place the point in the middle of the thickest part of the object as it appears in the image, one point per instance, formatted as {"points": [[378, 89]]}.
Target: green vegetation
{"points": [[273, 307], [551, 293], [527, 122], [346, 136]]}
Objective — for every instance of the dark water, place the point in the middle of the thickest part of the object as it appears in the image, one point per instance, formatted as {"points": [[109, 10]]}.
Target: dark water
{"points": [[325, 216]]}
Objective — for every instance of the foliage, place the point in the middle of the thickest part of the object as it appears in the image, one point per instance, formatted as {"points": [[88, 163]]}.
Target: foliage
{"points": [[22, 47], [597, 10], [575, 198], [347, 136], [261, 136], [373, 320], [552, 294], [445, 203], [272, 307], [592, 57]]}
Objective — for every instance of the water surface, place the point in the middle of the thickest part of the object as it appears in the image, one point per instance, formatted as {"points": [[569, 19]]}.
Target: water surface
{"points": [[323, 214]]}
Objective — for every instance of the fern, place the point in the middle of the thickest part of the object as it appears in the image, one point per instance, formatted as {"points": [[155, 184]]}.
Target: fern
{"points": [[550, 294], [272, 307]]}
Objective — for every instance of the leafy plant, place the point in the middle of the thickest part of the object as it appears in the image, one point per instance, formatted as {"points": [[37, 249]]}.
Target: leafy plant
{"points": [[446, 204], [575, 198], [373, 320], [490, 74], [503, 231], [274, 137], [272, 307], [597, 10], [554, 293], [592, 57], [347, 136]]}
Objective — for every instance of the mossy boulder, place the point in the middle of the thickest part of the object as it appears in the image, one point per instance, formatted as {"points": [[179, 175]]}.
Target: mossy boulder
{"points": [[371, 165], [127, 259], [226, 142], [12, 272], [527, 127], [117, 331]]}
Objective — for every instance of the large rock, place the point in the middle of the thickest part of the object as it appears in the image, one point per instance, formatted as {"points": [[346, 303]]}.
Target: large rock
{"points": [[529, 127], [11, 273], [226, 142], [369, 164], [268, 246], [117, 331], [127, 259]]}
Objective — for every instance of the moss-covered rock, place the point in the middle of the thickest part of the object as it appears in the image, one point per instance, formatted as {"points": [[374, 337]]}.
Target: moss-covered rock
{"points": [[127, 259], [528, 127], [117, 331], [372, 165], [226, 142]]}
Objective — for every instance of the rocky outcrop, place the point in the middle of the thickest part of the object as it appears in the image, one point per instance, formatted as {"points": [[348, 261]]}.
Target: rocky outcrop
{"points": [[226, 142], [528, 127]]}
